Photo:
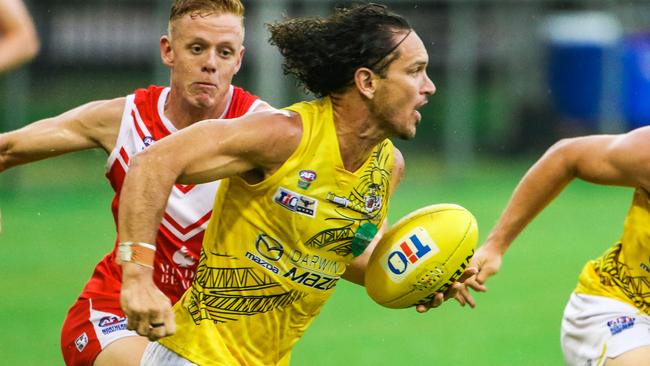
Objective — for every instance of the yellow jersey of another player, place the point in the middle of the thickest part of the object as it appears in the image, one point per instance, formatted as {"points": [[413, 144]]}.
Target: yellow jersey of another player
{"points": [[278, 248], [623, 271]]}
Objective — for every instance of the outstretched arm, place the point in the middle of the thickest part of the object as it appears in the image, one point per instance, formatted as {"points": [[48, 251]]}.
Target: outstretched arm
{"points": [[18, 39], [622, 160], [206, 151], [92, 125]]}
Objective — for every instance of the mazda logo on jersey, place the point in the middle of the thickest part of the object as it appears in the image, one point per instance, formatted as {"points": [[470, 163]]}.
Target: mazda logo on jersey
{"points": [[295, 202], [268, 247]]}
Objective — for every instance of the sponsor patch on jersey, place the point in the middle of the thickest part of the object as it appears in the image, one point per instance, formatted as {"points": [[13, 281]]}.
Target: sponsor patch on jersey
{"points": [[311, 279], [81, 341], [183, 258], [339, 200], [110, 320], [373, 202], [620, 324], [295, 202], [269, 247], [263, 263], [313, 262], [306, 177]]}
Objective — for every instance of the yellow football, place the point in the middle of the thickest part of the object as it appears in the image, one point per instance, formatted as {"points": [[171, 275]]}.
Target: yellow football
{"points": [[423, 253]]}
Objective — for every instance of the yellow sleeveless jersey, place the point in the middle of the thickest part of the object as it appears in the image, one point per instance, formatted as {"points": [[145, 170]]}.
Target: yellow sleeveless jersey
{"points": [[623, 271], [276, 250]]}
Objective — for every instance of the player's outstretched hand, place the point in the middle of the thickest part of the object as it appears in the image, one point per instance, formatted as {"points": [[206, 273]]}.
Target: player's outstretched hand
{"points": [[488, 261], [148, 310], [457, 291]]}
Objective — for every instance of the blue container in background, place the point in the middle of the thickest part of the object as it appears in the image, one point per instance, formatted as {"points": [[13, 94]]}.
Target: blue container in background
{"points": [[636, 80], [575, 80], [579, 47]]}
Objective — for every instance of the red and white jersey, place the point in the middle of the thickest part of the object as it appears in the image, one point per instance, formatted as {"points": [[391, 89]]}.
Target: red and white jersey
{"points": [[189, 207]]}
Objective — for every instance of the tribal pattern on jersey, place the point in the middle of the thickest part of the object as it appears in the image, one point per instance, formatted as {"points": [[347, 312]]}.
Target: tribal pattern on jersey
{"points": [[623, 271], [615, 273], [360, 206], [223, 294]]}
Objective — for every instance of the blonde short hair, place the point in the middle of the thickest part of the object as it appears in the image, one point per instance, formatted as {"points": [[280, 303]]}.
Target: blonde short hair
{"points": [[205, 7]]}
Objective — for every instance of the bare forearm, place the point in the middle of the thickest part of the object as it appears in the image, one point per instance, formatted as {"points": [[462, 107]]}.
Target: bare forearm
{"points": [[143, 199], [29, 144], [356, 275], [541, 184], [92, 125], [15, 150], [356, 271]]}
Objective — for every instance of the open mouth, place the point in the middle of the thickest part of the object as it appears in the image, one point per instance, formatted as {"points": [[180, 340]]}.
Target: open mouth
{"points": [[417, 112]]}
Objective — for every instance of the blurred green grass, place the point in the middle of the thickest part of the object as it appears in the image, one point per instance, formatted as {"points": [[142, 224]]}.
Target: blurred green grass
{"points": [[57, 225]]}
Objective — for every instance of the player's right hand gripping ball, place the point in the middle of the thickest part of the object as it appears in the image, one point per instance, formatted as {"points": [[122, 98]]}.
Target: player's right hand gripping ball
{"points": [[423, 253]]}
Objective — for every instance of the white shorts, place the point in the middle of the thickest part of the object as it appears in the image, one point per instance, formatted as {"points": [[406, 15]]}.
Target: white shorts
{"points": [[158, 355], [595, 328]]}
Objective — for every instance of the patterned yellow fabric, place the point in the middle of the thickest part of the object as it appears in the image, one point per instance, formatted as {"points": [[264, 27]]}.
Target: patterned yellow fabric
{"points": [[278, 248], [623, 271]]}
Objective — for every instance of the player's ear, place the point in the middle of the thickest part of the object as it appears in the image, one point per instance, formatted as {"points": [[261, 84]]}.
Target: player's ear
{"points": [[366, 81], [166, 52]]}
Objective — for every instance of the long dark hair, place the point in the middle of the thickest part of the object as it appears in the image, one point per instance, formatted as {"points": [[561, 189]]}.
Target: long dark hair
{"points": [[324, 53]]}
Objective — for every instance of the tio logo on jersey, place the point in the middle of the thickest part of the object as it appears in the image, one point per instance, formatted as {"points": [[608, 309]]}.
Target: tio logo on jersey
{"points": [[413, 248], [295, 202]]}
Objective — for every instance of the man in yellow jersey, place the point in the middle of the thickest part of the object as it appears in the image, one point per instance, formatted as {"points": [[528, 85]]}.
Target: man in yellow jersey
{"points": [[607, 319], [307, 188]]}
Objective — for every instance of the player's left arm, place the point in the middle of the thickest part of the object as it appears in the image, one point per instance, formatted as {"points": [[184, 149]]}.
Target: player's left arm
{"points": [[18, 38], [206, 151], [619, 160], [356, 271]]}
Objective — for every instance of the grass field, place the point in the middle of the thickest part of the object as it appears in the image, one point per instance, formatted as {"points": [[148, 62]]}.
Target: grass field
{"points": [[56, 225]]}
